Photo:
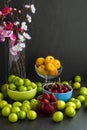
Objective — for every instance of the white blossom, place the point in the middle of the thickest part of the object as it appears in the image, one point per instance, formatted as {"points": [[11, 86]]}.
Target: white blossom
{"points": [[13, 52], [22, 45], [21, 38], [20, 48], [26, 35], [28, 18], [27, 6], [16, 27], [24, 26], [16, 23], [17, 47], [33, 9]]}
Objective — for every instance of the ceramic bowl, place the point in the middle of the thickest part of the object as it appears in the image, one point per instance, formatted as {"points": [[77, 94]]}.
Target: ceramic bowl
{"points": [[60, 96], [20, 96]]}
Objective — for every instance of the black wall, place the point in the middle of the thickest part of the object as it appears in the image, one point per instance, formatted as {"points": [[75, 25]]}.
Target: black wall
{"points": [[58, 28]]}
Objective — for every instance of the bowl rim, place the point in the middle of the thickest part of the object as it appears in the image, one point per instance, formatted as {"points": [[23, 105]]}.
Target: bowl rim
{"points": [[43, 102], [49, 76], [58, 93], [20, 91]]}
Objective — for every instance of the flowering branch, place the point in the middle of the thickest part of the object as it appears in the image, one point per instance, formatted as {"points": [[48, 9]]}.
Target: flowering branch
{"points": [[14, 25]]}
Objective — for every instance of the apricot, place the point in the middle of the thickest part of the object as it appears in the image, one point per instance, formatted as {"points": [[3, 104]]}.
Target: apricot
{"points": [[53, 73], [49, 59], [40, 61], [50, 67], [57, 63], [41, 70]]}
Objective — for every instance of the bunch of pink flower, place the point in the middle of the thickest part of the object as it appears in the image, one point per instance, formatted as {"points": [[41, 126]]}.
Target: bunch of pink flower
{"points": [[14, 26]]}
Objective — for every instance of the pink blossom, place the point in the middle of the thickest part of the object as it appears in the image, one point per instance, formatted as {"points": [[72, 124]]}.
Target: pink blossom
{"points": [[1, 28], [6, 11], [13, 52], [0, 13], [14, 26], [21, 30], [13, 38], [2, 39], [9, 26], [6, 33]]}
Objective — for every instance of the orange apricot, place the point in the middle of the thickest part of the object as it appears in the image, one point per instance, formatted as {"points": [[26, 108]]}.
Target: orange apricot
{"points": [[49, 59], [40, 61], [41, 70], [50, 67], [57, 63], [53, 73]]}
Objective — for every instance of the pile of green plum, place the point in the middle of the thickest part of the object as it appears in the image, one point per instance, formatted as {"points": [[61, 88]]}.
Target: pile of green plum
{"points": [[17, 83]]}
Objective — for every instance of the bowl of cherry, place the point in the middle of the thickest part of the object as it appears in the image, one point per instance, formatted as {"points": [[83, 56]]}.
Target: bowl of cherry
{"points": [[47, 104], [61, 91]]}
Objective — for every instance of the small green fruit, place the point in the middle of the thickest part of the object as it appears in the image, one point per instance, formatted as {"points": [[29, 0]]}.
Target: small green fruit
{"points": [[57, 116], [76, 85], [31, 115], [70, 111], [81, 98], [60, 104], [13, 117], [78, 103], [77, 78]]}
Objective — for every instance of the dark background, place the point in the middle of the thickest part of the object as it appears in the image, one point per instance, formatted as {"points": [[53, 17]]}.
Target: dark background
{"points": [[58, 28]]}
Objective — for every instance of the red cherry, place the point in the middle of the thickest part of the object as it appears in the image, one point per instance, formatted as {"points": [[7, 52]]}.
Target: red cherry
{"points": [[61, 91], [55, 91]]}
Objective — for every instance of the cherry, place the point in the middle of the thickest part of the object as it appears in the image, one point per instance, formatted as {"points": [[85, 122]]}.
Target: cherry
{"points": [[57, 88]]}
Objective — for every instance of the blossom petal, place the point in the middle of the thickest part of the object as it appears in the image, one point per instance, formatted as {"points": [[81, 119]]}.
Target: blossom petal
{"points": [[28, 18], [13, 52], [27, 6], [22, 45], [2, 39], [24, 26], [0, 13], [21, 38], [13, 37], [16, 23], [33, 9], [26, 35]]}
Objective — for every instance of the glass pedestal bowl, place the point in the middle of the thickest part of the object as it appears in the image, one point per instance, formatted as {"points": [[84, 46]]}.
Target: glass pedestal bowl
{"points": [[48, 77]]}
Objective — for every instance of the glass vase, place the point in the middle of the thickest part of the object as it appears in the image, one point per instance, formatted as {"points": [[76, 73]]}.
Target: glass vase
{"points": [[16, 64]]}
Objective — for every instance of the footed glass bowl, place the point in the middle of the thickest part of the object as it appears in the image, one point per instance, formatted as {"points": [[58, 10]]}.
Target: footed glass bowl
{"points": [[48, 77]]}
